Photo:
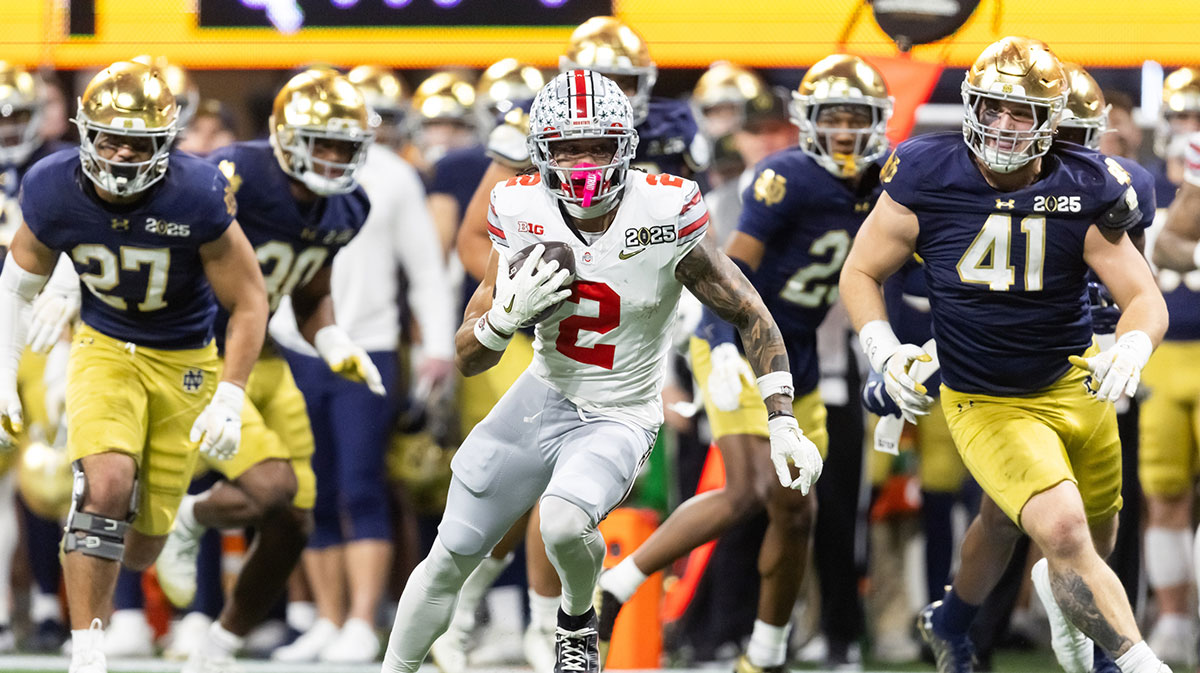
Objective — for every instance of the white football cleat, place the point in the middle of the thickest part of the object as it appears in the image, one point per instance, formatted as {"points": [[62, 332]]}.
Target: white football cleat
{"points": [[538, 645], [1072, 647], [198, 662], [89, 656], [176, 564], [186, 635], [128, 635], [449, 651], [307, 648], [356, 643], [1173, 640]]}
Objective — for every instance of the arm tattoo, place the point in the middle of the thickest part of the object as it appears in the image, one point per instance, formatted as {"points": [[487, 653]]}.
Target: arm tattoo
{"points": [[720, 285], [1078, 604]]}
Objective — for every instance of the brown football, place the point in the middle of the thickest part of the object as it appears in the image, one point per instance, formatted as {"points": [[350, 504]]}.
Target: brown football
{"points": [[555, 250]]}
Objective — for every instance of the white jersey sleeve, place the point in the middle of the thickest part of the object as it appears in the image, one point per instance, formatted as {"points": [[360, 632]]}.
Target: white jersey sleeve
{"points": [[1191, 158], [693, 220]]}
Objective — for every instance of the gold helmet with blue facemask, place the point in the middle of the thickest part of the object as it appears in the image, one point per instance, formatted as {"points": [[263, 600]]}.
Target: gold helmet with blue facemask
{"points": [[1085, 118], [21, 107]]}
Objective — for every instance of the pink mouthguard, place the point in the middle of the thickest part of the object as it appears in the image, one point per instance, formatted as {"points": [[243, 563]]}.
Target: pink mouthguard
{"points": [[591, 182]]}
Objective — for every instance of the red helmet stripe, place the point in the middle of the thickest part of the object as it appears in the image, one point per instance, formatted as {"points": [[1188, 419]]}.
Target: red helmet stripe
{"points": [[581, 98]]}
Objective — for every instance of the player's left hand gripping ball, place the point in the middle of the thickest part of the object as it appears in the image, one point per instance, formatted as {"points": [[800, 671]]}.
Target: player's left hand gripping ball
{"points": [[789, 445], [219, 427], [347, 359], [1117, 369]]}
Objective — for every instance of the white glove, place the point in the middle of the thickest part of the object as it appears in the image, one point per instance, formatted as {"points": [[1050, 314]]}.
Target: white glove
{"points": [[537, 286], [1117, 369], [11, 423], [219, 427], [54, 309], [789, 445], [729, 370], [908, 393], [347, 359], [55, 379]]}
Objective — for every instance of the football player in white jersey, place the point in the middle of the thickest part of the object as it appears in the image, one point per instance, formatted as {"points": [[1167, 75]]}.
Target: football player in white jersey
{"points": [[574, 429]]}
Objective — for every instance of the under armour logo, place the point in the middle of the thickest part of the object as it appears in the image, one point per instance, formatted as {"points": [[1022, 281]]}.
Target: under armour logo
{"points": [[193, 379], [1010, 204], [120, 224]]}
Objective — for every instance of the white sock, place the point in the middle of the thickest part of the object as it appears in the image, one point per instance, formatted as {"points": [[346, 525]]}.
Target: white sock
{"points": [[1170, 565], [301, 615], [768, 644], [507, 608], [475, 588], [543, 611], [44, 607], [8, 542], [623, 580], [220, 643], [1139, 659], [186, 515]]}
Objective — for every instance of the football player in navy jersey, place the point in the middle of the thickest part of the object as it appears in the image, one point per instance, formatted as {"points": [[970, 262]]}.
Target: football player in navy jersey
{"points": [[1007, 225], [800, 215], [300, 203], [143, 365]]}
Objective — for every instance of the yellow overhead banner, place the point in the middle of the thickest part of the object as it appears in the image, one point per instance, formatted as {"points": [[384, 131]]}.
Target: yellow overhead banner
{"points": [[681, 33]]}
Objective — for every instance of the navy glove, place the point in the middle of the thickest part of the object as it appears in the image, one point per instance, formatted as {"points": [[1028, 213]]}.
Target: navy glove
{"points": [[876, 400], [1105, 312]]}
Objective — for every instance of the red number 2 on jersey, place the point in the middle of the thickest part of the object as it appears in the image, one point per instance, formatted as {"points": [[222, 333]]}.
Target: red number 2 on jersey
{"points": [[607, 318]]}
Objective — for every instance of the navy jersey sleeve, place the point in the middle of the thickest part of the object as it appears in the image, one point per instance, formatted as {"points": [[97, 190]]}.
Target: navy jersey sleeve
{"points": [[903, 175], [215, 201], [766, 202], [1143, 186]]}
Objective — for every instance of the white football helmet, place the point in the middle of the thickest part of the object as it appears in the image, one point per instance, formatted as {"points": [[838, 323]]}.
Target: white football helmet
{"points": [[582, 104]]}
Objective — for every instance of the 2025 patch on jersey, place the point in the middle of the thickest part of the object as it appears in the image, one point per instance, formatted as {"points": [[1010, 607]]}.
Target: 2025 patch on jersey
{"points": [[141, 262], [1005, 270]]}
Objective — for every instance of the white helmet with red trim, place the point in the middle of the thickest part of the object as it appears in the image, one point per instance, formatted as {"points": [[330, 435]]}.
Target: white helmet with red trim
{"points": [[582, 104]]}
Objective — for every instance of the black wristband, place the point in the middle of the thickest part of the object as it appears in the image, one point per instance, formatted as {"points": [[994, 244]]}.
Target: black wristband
{"points": [[771, 415]]}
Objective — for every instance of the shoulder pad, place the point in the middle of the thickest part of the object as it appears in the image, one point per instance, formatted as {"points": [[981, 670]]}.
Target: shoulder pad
{"points": [[1124, 214], [663, 194], [514, 195]]}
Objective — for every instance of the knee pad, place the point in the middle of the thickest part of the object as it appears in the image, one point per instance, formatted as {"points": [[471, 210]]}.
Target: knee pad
{"points": [[93, 534], [446, 570], [563, 522]]}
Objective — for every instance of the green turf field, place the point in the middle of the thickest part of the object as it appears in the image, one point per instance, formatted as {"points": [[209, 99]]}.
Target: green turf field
{"points": [[1007, 662]]}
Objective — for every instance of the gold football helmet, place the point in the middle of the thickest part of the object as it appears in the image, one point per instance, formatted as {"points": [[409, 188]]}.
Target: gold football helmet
{"points": [[44, 479], [387, 96], [320, 106], [1085, 118], [1013, 71], [1180, 108], [850, 83], [130, 101], [187, 94], [608, 46], [723, 95], [505, 83], [20, 114], [445, 96]]}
